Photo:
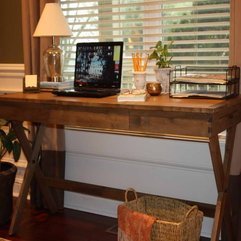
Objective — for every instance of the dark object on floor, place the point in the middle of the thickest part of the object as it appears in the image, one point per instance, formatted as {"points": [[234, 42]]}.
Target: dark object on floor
{"points": [[7, 178]]}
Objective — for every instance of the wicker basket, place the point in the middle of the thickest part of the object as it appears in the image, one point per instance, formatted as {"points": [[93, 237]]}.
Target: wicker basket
{"points": [[175, 220]]}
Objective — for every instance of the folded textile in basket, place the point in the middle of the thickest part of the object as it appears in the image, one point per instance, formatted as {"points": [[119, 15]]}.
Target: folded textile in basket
{"points": [[134, 226]]}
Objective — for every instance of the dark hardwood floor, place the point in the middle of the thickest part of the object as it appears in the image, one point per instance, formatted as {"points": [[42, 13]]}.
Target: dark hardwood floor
{"points": [[69, 225]]}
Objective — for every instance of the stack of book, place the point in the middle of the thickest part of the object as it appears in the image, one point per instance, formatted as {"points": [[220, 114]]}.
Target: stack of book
{"points": [[133, 95], [46, 85]]}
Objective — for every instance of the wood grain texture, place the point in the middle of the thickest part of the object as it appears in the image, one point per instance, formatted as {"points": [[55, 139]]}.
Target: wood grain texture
{"points": [[157, 116], [69, 225]]}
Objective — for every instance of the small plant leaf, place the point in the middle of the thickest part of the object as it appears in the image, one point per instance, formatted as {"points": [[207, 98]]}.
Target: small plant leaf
{"points": [[16, 150], [2, 133], [11, 135], [153, 55], [7, 144]]}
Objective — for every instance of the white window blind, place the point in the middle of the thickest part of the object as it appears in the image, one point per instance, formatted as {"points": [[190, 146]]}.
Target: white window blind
{"points": [[199, 29]]}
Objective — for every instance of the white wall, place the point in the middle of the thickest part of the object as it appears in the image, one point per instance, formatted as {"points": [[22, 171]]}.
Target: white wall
{"points": [[166, 167]]}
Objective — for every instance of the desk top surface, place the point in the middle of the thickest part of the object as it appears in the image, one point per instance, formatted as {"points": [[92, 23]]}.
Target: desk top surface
{"points": [[157, 115], [162, 102]]}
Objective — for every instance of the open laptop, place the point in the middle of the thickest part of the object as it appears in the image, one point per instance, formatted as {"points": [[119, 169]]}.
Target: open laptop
{"points": [[98, 69]]}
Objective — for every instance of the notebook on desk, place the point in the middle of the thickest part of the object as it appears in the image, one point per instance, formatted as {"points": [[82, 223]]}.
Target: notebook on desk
{"points": [[98, 69]]}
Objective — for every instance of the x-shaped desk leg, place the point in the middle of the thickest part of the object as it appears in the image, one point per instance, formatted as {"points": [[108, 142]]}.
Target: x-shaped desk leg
{"points": [[32, 155], [221, 172]]}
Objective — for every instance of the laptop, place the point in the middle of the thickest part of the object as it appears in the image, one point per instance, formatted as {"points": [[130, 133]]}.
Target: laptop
{"points": [[98, 69]]}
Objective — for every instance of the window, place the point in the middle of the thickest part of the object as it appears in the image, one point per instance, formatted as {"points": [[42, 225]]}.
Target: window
{"points": [[199, 29]]}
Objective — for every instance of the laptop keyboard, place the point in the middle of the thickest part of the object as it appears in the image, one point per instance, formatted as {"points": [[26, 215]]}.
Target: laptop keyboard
{"points": [[84, 89], [95, 93]]}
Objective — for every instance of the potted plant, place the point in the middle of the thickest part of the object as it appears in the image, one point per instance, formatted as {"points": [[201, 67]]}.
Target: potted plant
{"points": [[8, 144], [163, 59]]}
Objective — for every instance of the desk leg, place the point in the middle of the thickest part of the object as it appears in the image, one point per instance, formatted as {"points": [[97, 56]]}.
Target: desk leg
{"points": [[32, 155], [221, 172]]}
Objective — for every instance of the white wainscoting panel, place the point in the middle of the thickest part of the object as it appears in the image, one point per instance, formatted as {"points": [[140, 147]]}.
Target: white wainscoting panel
{"points": [[11, 77], [170, 168]]}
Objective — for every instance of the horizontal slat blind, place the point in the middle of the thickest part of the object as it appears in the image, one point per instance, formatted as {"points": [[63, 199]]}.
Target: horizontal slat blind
{"points": [[199, 29]]}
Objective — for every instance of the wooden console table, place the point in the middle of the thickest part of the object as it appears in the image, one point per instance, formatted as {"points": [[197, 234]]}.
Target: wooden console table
{"points": [[161, 117]]}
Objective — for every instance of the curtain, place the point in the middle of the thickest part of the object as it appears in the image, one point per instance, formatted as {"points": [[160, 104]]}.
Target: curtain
{"points": [[53, 152], [235, 177]]}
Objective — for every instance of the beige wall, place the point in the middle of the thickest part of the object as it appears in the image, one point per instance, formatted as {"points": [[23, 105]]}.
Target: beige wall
{"points": [[10, 32]]}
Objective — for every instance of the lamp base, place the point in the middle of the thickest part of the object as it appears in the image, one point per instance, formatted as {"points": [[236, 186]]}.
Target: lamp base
{"points": [[53, 59]]}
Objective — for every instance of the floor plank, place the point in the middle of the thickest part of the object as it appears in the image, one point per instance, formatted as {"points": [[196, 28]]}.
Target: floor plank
{"points": [[69, 225]]}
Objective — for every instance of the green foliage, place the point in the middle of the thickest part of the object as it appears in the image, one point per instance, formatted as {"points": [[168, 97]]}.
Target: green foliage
{"points": [[8, 141], [161, 54]]}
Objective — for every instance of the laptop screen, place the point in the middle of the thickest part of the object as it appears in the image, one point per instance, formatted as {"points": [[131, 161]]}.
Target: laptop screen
{"points": [[98, 65]]}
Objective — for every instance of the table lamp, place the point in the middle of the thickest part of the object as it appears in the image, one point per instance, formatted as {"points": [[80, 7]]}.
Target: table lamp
{"points": [[53, 24]]}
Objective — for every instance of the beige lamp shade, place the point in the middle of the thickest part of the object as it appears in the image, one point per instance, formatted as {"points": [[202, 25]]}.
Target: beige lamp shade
{"points": [[52, 22]]}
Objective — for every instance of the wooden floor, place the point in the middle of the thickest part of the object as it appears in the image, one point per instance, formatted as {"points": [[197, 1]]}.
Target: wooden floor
{"points": [[70, 225]]}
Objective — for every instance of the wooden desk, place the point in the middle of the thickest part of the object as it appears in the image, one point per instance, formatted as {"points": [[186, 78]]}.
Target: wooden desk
{"points": [[161, 117]]}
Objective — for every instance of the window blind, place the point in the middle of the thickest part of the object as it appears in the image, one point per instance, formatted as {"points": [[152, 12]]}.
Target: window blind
{"points": [[199, 29]]}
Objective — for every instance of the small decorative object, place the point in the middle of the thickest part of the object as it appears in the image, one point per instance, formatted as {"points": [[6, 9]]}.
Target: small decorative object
{"points": [[154, 88], [139, 80], [8, 144], [163, 59], [164, 76], [139, 60], [30, 83], [53, 24]]}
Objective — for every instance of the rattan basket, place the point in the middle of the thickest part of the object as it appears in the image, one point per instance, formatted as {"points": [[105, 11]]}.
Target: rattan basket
{"points": [[175, 220]]}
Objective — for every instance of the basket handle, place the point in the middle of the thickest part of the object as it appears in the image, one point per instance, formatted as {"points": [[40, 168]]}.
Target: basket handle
{"points": [[130, 190], [192, 209]]}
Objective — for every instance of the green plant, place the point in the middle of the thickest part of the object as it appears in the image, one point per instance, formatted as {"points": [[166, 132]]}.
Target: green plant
{"points": [[8, 141], [161, 54]]}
